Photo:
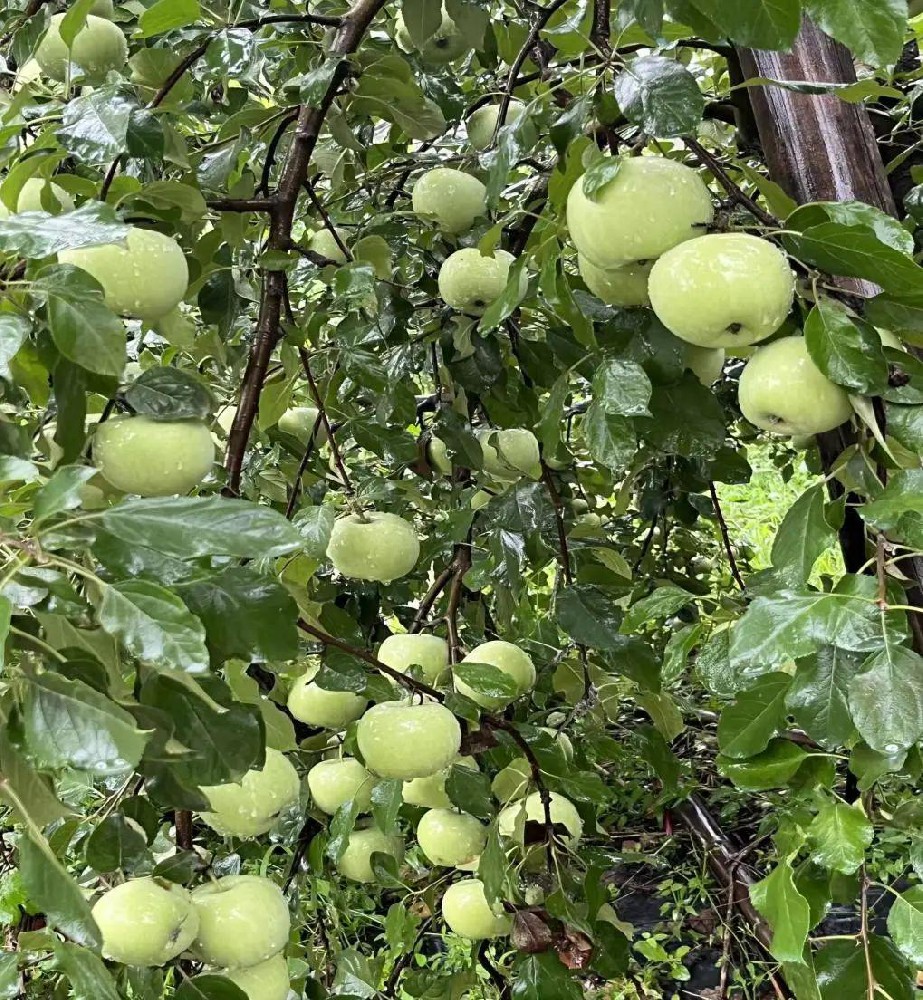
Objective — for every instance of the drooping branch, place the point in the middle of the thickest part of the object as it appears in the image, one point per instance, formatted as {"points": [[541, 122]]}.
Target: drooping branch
{"points": [[735, 192], [726, 537], [325, 420], [325, 218]]}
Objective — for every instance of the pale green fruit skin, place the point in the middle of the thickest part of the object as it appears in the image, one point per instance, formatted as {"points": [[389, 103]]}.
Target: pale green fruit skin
{"points": [[705, 288], [144, 924], [706, 363], [783, 391], [334, 782], [103, 8], [513, 781], [443, 47], [299, 421], [98, 48], [624, 286], [428, 652], [482, 123], [467, 913], [322, 242], [510, 454], [563, 813], [650, 206], [266, 981], [450, 198], [401, 740], [430, 792], [251, 806], [470, 282], [356, 861], [30, 198], [450, 838], [144, 278], [243, 920], [316, 706], [509, 659], [383, 547], [438, 456], [150, 458]]}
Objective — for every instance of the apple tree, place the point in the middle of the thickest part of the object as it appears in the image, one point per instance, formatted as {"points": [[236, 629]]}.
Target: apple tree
{"points": [[373, 378]]}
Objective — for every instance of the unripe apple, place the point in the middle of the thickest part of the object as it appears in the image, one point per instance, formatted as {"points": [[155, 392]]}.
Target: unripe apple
{"points": [[316, 706], [466, 912], [429, 792], [243, 920], [470, 282], [98, 47], [145, 278], [482, 123], [507, 658], [706, 363], [404, 740], [146, 922], [651, 205], [373, 546], [299, 421], [153, 458], [783, 391], [356, 861], [624, 286], [513, 818], [266, 981], [31, 194], [450, 198], [429, 652], [510, 454], [722, 290], [323, 242], [451, 838], [442, 47], [250, 807], [335, 782], [438, 456], [103, 8]]}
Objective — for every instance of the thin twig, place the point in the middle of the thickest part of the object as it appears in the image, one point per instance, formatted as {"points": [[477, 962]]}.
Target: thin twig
{"points": [[724, 179], [564, 553], [726, 537], [328, 225], [302, 466], [271, 149], [325, 420], [461, 561], [871, 983], [432, 595], [182, 820]]}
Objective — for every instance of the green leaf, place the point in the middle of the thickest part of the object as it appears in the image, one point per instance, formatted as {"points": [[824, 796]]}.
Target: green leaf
{"points": [[189, 527], [13, 333], [165, 15], [847, 352], [487, 680], [33, 790], [621, 388], [660, 95], [898, 509], [94, 128], [154, 625], [765, 24], [648, 14], [74, 20], [544, 977], [873, 30], [115, 843], [842, 974], [422, 20], [770, 769], [62, 491], [818, 697], [69, 724], [686, 419], [588, 616], [167, 393], [209, 986], [803, 536], [600, 173], [905, 924], [853, 213], [662, 603], [839, 835], [746, 726], [785, 910], [610, 440], [387, 798], [886, 699], [469, 790]]}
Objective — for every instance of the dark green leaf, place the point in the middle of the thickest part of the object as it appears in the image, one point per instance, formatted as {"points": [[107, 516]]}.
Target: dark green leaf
{"points": [[746, 727], [847, 352], [621, 388], [88, 976], [886, 699], [660, 95], [764, 24], [166, 393], [818, 697], [803, 536], [785, 910], [873, 30], [898, 509]]}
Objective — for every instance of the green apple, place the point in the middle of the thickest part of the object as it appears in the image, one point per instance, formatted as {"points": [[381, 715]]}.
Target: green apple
{"points": [[103, 8], [250, 807], [450, 198], [510, 454], [335, 782], [722, 290], [507, 658], [651, 205], [323, 242], [145, 277], [438, 456], [29, 72], [428, 652], [98, 47], [299, 421], [445, 45], [451, 838], [243, 920], [266, 981], [512, 782], [146, 922], [513, 818], [482, 123], [624, 286], [356, 861], [316, 706], [373, 546], [470, 282], [706, 363], [429, 792], [31, 194], [466, 912], [153, 458], [399, 739], [783, 391]]}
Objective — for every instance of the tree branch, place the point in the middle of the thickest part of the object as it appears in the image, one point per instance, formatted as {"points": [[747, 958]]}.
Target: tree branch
{"points": [[325, 218], [724, 179], [325, 420], [726, 537]]}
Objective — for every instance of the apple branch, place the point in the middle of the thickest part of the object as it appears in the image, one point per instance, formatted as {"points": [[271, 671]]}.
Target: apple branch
{"points": [[302, 465], [600, 31], [726, 537], [325, 218], [735, 192], [325, 420]]}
